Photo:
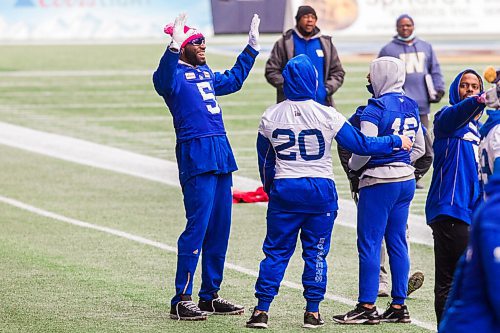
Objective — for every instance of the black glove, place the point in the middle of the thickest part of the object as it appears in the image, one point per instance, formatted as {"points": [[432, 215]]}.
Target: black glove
{"points": [[439, 95], [353, 177]]}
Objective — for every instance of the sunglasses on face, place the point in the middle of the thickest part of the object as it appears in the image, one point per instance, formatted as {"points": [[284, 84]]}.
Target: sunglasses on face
{"points": [[198, 41]]}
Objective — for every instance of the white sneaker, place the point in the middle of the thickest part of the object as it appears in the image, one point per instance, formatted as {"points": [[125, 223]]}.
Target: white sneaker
{"points": [[383, 289]]}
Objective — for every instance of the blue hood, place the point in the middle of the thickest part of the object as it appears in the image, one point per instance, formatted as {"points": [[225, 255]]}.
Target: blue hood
{"points": [[300, 79], [454, 94], [492, 121]]}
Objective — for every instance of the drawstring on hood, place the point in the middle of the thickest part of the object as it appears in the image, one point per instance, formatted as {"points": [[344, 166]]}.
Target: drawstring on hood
{"points": [[387, 75], [300, 79]]}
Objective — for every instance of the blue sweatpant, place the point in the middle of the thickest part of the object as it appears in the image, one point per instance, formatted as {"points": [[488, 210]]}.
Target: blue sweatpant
{"points": [[208, 203], [282, 232], [383, 212]]}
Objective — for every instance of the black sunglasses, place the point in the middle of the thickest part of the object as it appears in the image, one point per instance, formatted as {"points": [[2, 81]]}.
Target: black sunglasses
{"points": [[198, 41]]}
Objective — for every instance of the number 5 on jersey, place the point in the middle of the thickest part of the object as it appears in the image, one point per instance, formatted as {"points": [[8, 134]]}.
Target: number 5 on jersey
{"points": [[208, 95]]}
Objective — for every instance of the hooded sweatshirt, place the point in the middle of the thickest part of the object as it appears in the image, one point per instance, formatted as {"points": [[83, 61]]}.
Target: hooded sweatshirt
{"points": [[474, 301], [294, 145], [389, 112], [454, 190], [419, 59]]}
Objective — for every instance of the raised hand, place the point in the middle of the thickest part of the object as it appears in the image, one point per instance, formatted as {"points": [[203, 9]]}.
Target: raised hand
{"points": [[177, 31], [253, 34]]}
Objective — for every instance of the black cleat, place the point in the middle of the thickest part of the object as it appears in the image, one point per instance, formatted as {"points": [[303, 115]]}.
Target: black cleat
{"points": [[360, 315], [220, 306], [312, 322], [393, 315], [257, 320], [187, 310]]}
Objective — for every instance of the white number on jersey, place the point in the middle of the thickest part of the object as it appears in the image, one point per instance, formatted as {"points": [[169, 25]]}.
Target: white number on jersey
{"points": [[208, 96], [409, 127]]}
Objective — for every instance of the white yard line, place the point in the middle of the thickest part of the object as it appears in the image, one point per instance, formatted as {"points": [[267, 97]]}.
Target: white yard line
{"points": [[155, 169], [79, 73], [159, 245]]}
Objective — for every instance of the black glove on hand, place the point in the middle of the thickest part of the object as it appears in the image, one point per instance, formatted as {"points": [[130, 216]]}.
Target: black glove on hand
{"points": [[437, 99]]}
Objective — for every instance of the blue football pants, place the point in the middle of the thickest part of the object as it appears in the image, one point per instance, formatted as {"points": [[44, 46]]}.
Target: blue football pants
{"points": [[208, 203], [279, 245], [383, 212]]}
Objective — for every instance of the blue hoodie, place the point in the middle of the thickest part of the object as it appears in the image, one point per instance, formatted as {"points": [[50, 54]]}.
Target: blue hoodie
{"points": [[300, 79], [474, 301], [454, 190], [294, 145]]}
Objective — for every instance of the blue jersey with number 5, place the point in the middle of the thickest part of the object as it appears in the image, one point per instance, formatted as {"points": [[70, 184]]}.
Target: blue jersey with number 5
{"points": [[189, 92], [393, 114]]}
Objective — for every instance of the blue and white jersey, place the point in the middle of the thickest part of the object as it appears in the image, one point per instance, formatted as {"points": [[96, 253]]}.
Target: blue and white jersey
{"points": [[454, 189], [489, 147], [190, 94], [393, 114], [301, 133], [389, 112], [294, 145]]}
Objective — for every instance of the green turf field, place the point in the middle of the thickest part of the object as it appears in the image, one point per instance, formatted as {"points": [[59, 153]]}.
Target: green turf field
{"points": [[60, 277]]}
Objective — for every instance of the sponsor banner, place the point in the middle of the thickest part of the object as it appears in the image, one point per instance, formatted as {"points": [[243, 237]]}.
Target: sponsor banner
{"points": [[378, 17], [96, 19]]}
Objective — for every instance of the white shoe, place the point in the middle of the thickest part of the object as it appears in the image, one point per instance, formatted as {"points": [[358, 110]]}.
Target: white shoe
{"points": [[383, 289]]}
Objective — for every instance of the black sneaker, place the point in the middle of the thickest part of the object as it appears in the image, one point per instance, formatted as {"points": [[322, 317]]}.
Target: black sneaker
{"points": [[312, 322], [415, 281], [187, 310], [220, 306], [360, 315], [393, 315], [257, 320]]}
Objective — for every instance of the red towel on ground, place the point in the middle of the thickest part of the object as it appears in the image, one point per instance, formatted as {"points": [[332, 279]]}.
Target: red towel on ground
{"points": [[256, 196]]}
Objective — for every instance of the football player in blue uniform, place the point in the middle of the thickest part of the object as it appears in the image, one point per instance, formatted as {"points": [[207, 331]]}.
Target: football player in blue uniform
{"points": [[205, 161], [454, 191], [421, 165], [473, 304], [295, 164], [386, 186]]}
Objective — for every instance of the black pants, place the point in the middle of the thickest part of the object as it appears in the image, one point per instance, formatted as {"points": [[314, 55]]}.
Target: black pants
{"points": [[450, 241]]}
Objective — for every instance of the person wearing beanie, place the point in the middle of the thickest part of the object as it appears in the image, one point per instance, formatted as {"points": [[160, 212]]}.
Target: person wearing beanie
{"points": [[306, 38], [205, 161], [424, 80]]}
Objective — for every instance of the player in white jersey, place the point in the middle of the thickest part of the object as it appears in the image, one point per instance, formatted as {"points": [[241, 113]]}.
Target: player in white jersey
{"points": [[489, 147], [294, 152]]}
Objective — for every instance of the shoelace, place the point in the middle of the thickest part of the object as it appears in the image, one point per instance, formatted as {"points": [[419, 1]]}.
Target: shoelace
{"points": [[190, 305], [220, 300]]}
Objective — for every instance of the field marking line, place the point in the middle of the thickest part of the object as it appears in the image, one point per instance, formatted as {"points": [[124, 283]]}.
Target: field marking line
{"points": [[162, 246], [155, 169]]}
